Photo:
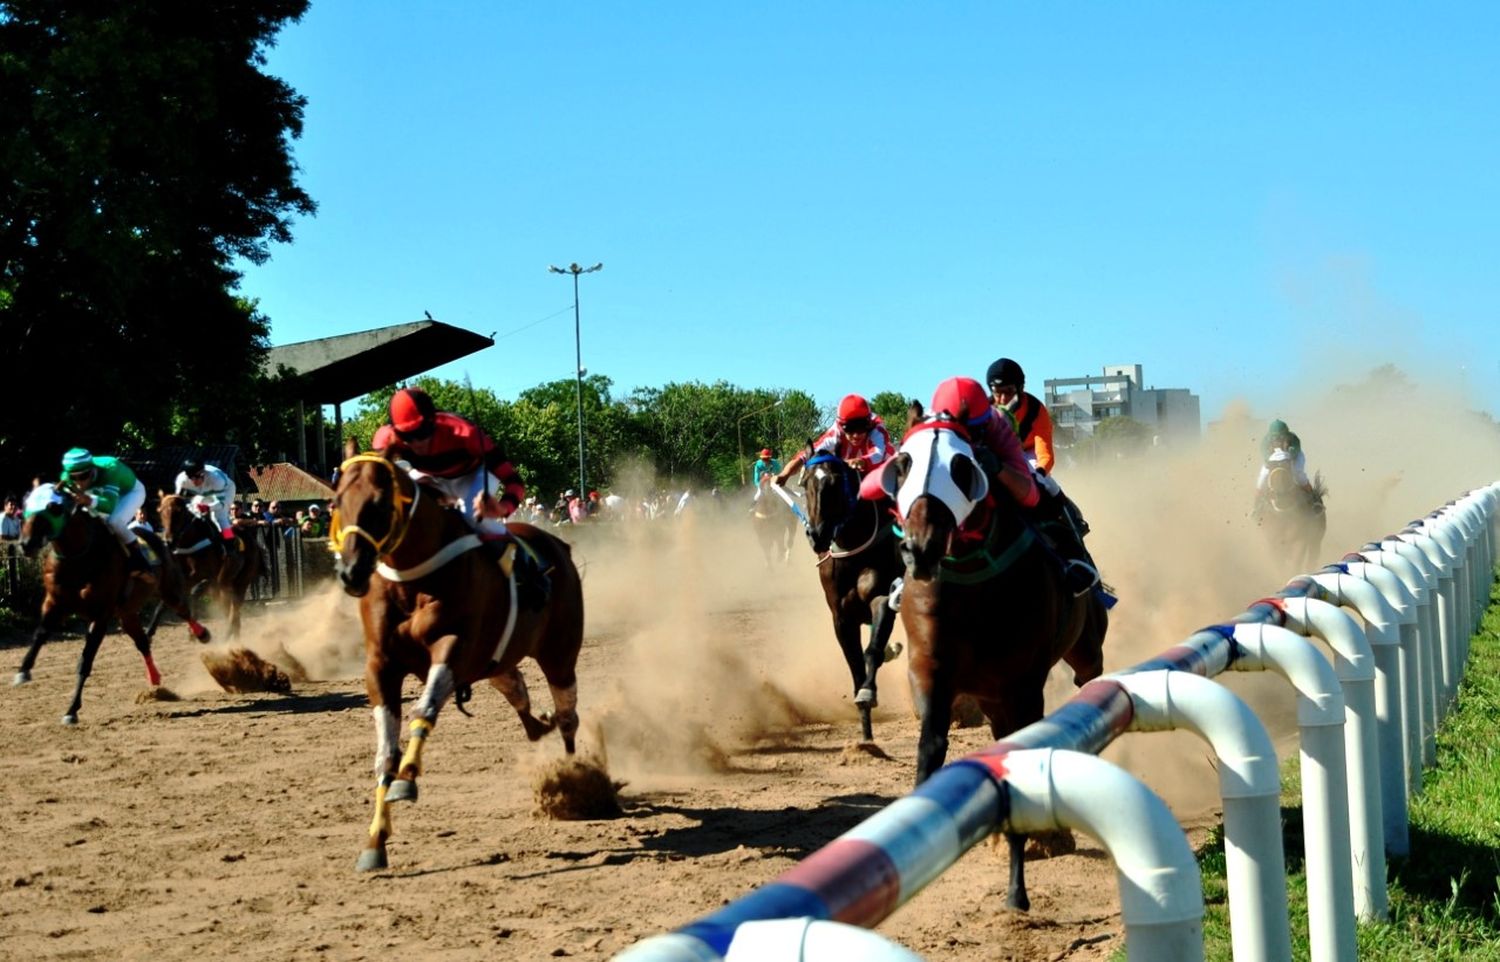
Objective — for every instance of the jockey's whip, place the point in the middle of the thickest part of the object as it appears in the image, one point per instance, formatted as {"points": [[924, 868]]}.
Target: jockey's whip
{"points": [[791, 502]]}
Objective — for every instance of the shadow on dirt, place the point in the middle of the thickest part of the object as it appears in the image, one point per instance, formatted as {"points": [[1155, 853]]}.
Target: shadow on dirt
{"points": [[292, 704]]}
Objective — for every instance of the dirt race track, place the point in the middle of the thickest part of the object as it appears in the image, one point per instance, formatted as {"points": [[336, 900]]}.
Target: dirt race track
{"points": [[228, 825]]}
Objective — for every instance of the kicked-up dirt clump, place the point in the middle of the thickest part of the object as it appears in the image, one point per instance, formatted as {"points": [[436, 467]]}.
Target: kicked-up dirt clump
{"points": [[240, 671], [574, 789]]}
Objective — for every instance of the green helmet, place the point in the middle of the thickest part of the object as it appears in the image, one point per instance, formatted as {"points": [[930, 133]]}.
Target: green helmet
{"points": [[1278, 426], [78, 461]]}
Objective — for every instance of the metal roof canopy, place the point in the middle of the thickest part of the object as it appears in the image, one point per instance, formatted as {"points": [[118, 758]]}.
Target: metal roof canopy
{"points": [[331, 370]]}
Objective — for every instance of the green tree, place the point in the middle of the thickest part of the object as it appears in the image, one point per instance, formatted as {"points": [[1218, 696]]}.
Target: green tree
{"points": [[892, 408], [142, 150], [1121, 437]]}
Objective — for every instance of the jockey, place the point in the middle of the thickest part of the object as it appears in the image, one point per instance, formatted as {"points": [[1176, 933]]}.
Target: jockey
{"points": [[210, 482], [107, 487], [1034, 426], [858, 436], [457, 458], [767, 467], [1280, 447], [994, 440]]}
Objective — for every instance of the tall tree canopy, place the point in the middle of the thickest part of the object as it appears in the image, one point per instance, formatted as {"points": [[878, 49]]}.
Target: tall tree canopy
{"points": [[142, 150]]}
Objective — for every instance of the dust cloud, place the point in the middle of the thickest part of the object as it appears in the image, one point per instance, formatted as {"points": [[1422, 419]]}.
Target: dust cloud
{"points": [[1172, 530], [715, 648]]}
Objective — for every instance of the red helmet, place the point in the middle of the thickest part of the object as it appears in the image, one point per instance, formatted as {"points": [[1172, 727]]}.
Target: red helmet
{"points": [[765, 452], [853, 408], [962, 397], [413, 414]]}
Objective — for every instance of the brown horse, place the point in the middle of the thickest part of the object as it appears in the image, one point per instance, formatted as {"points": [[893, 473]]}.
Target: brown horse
{"points": [[858, 564], [1294, 518], [985, 606], [775, 525], [441, 610], [226, 569], [86, 573]]}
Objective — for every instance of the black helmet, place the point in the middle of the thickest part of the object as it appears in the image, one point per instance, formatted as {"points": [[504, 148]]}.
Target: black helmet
{"points": [[192, 467], [1006, 371]]}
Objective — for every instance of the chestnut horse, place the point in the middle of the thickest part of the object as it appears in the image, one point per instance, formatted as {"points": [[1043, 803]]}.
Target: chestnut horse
{"points": [[985, 606], [858, 562], [441, 610], [226, 569], [87, 573]]}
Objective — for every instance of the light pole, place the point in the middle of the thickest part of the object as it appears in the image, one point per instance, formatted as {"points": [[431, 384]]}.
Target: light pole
{"points": [[739, 438], [575, 270]]}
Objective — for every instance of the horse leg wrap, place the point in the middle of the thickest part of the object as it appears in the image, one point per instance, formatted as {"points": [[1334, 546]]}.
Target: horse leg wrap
{"points": [[152, 675], [438, 690], [380, 825], [411, 761]]}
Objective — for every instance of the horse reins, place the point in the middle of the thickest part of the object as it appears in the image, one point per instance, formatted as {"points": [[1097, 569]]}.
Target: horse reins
{"points": [[403, 509]]}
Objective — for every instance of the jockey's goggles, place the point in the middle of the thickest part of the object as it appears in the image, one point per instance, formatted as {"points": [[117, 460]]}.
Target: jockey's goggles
{"points": [[857, 425]]}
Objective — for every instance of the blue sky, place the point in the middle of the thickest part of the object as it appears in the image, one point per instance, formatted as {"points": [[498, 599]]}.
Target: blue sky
{"points": [[865, 196]]}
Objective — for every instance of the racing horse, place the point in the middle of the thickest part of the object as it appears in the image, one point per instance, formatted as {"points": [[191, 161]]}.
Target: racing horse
{"points": [[226, 569], [775, 525], [985, 606], [1293, 516], [86, 573], [858, 564], [433, 606]]}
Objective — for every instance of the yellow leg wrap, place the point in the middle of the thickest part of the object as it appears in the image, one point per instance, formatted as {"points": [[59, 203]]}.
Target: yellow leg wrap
{"points": [[380, 825], [412, 759]]}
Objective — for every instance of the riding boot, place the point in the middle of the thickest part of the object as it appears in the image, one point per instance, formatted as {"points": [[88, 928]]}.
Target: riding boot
{"points": [[533, 586], [1079, 572], [1075, 516]]}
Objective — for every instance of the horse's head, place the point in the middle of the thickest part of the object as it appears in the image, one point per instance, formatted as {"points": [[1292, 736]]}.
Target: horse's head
{"points": [[831, 488], [181, 519], [371, 512], [935, 481], [47, 513]]}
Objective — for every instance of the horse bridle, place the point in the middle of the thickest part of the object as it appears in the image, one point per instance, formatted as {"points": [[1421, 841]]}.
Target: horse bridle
{"points": [[403, 509]]}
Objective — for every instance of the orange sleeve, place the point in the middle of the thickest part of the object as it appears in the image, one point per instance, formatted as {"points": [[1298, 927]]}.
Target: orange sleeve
{"points": [[1041, 431]]}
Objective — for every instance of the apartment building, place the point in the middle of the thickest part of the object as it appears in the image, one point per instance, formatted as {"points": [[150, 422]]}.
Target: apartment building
{"points": [[1078, 404]]}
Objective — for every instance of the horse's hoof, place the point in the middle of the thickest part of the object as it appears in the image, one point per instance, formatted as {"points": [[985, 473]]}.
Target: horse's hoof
{"points": [[70, 720], [22, 677], [401, 790], [371, 860], [893, 651], [866, 696]]}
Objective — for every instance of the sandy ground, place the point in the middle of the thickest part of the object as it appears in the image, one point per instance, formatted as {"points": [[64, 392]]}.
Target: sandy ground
{"points": [[229, 824]]}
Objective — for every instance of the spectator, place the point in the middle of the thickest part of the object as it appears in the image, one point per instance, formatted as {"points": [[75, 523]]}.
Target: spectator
{"points": [[10, 521], [315, 526], [143, 521], [258, 512]]}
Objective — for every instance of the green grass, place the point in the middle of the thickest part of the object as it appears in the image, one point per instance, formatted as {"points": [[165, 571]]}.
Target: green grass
{"points": [[1444, 897]]}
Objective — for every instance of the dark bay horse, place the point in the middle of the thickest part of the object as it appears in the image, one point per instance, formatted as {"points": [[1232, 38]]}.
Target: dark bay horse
{"points": [[86, 573], [227, 569], [858, 560], [775, 525], [985, 606], [438, 606], [1294, 518]]}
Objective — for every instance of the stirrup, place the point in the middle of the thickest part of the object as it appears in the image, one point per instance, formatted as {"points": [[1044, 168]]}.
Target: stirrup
{"points": [[1074, 572]]}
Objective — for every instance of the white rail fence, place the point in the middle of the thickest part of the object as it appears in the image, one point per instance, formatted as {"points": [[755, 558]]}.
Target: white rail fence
{"points": [[1367, 726]]}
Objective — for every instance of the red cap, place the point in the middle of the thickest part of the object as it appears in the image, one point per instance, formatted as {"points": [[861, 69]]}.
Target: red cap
{"points": [[412, 413], [765, 452], [962, 397], [853, 407]]}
